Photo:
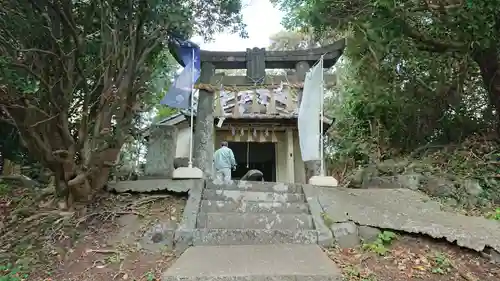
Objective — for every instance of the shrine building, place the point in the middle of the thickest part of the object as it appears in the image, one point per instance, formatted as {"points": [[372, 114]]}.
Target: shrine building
{"points": [[257, 114]]}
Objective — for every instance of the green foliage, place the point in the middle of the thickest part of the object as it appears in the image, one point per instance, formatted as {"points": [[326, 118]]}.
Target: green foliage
{"points": [[414, 74], [353, 273], [150, 276], [327, 219], [494, 215], [379, 246], [441, 264], [161, 78], [10, 273], [4, 188], [80, 77]]}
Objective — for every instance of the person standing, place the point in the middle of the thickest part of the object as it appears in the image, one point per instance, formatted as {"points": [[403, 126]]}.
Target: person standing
{"points": [[224, 162]]}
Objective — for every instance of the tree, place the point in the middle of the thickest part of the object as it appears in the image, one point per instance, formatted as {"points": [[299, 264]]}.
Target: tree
{"points": [[297, 39], [450, 45], [75, 75], [291, 40]]}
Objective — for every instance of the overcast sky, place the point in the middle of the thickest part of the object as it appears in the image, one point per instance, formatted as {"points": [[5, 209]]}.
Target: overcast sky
{"points": [[262, 19]]}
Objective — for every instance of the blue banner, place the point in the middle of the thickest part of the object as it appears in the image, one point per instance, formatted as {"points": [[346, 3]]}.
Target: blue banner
{"points": [[179, 93]]}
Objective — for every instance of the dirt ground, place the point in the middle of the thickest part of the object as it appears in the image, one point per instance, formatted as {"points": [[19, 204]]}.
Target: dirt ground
{"points": [[101, 242], [95, 243], [112, 250], [415, 258]]}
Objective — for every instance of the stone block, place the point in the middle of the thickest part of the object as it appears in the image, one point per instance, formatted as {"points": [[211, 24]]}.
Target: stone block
{"points": [[368, 234], [323, 181], [346, 234], [254, 221], [313, 168], [492, 254], [236, 195], [159, 237], [161, 151], [260, 186], [325, 236], [181, 162], [208, 236], [184, 233], [208, 206], [187, 173]]}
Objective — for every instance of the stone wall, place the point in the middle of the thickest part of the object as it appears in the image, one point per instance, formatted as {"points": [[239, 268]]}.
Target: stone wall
{"points": [[161, 151]]}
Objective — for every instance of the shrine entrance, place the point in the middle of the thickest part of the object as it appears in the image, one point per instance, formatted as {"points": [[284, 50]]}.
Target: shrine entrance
{"points": [[258, 108], [254, 155]]}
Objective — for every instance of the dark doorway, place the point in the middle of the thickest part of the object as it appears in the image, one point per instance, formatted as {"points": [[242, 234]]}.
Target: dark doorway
{"points": [[257, 155]]}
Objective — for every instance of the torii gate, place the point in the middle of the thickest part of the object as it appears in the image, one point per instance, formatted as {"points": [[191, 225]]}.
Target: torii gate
{"points": [[255, 61]]}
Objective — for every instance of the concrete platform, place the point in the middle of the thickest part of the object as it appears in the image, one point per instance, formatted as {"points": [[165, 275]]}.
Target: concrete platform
{"points": [[285, 262]]}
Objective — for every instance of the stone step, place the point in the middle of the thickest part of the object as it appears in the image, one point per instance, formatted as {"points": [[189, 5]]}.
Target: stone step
{"points": [[261, 186], [206, 236], [285, 262], [208, 206], [254, 221], [237, 195]]}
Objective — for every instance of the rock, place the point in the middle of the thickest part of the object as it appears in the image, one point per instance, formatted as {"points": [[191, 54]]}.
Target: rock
{"points": [[449, 205], [159, 236], [356, 179], [492, 254], [368, 234], [472, 187], [417, 167], [363, 175], [470, 201], [253, 175], [380, 182], [181, 162], [411, 181], [391, 166], [128, 219], [346, 234], [452, 202], [438, 187]]}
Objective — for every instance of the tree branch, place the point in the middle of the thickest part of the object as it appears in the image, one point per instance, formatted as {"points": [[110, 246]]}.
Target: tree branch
{"points": [[428, 44]]}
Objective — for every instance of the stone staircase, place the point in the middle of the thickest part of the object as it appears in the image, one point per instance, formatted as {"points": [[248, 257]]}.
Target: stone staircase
{"points": [[256, 231], [245, 213]]}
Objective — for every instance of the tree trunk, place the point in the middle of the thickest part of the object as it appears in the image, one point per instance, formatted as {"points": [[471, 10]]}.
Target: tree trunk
{"points": [[488, 62], [74, 183]]}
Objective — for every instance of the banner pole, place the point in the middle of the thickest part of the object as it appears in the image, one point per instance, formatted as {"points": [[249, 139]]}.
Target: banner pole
{"points": [[190, 163], [321, 114]]}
